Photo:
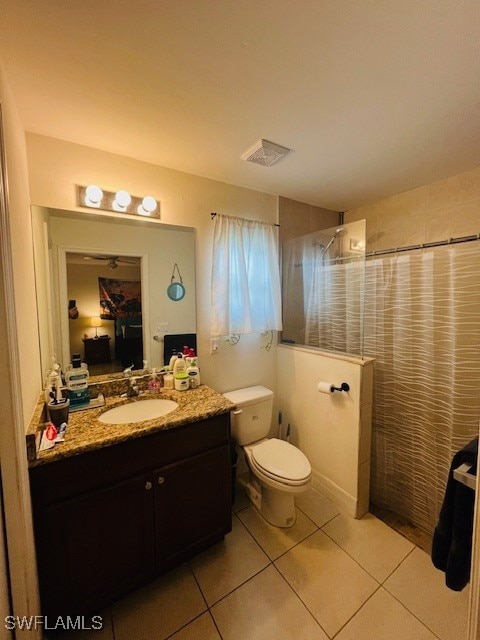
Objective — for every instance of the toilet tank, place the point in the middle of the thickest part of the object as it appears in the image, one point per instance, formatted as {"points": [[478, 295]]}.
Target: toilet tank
{"points": [[253, 417]]}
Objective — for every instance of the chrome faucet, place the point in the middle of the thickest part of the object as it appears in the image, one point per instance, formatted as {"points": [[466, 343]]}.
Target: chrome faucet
{"points": [[133, 389], [128, 371]]}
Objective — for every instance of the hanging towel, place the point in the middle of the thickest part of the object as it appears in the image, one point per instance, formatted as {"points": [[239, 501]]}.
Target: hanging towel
{"points": [[176, 342], [452, 539]]}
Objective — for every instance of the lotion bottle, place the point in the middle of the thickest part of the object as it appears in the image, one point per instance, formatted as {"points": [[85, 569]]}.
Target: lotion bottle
{"points": [[193, 373], [180, 366]]}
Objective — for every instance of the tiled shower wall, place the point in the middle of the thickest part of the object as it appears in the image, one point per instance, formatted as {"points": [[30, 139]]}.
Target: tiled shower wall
{"points": [[438, 211]]}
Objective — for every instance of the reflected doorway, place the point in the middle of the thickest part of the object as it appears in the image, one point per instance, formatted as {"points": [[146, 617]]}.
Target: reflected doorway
{"points": [[105, 310]]}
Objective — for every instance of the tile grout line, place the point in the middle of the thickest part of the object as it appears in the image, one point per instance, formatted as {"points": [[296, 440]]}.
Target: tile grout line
{"points": [[271, 562], [297, 595], [351, 557], [352, 616], [205, 600], [411, 613], [405, 606], [186, 624], [357, 611], [401, 562], [112, 622], [381, 582]]}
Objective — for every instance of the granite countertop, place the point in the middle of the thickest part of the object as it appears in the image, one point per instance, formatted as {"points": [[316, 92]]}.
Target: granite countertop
{"points": [[86, 433]]}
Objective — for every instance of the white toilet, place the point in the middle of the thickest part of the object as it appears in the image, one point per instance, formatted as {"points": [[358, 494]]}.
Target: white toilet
{"points": [[278, 470]]}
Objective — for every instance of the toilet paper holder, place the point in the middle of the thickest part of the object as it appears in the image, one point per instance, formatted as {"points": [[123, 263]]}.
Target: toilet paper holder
{"points": [[329, 387], [343, 387]]}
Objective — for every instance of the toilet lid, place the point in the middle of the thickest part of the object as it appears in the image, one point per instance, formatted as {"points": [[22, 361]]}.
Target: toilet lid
{"points": [[281, 459]]}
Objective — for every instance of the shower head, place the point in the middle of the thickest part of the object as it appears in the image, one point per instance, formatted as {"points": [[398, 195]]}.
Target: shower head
{"points": [[339, 233]]}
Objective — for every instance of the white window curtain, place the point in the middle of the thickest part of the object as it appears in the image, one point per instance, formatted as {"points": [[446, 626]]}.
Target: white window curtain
{"points": [[246, 294]]}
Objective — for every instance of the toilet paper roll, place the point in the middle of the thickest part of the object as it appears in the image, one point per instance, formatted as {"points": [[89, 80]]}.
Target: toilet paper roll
{"points": [[325, 387]]}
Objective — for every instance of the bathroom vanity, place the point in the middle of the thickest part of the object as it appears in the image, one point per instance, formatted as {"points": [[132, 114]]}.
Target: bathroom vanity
{"points": [[115, 511]]}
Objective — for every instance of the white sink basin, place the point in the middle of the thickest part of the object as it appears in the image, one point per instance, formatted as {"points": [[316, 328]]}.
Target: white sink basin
{"points": [[138, 411]]}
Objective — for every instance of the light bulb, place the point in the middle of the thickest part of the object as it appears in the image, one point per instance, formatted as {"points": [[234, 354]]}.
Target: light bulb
{"points": [[93, 195], [123, 199], [149, 204], [141, 211]]}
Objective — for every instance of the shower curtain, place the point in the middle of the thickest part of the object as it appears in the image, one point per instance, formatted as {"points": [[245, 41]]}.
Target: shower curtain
{"points": [[334, 306], [422, 325]]}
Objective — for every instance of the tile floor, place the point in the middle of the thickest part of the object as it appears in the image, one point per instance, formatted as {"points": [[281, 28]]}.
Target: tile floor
{"points": [[329, 576]]}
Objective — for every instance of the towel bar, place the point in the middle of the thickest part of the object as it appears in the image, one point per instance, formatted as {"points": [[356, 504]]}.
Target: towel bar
{"points": [[461, 474]]}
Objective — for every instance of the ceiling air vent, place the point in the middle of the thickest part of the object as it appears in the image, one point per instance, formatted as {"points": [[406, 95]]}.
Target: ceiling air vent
{"points": [[265, 153]]}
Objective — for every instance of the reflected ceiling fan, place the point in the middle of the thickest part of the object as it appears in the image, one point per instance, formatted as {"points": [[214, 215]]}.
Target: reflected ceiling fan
{"points": [[113, 261]]}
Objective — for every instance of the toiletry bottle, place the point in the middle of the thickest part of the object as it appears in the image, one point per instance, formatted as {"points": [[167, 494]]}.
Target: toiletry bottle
{"points": [[172, 360], [168, 381], [193, 373], [76, 379], [186, 350], [190, 357], [180, 366], [154, 384]]}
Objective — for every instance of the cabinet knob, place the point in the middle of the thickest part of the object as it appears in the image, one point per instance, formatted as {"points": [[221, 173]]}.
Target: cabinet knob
{"points": [[148, 485], [160, 480]]}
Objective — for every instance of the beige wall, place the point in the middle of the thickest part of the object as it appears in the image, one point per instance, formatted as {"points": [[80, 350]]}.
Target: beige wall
{"points": [[55, 167], [298, 218], [438, 211], [20, 370], [333, 430], [22, 252]]}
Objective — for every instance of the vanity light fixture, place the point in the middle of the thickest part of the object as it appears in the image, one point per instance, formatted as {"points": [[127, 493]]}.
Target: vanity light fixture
{"points": [[148, 206], [120, 201], [93, 196]]}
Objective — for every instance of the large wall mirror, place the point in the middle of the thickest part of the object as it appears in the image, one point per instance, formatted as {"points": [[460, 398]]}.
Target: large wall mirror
{"points": [[102, 288]]}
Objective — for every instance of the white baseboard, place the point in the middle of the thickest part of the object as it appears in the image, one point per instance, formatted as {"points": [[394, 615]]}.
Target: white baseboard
{"points": [[333, 492]]}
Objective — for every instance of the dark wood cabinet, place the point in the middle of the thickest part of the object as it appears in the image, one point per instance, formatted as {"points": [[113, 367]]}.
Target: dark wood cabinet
{"points": [[108, 521], [96, 546], [97, 350], [190, 506]]}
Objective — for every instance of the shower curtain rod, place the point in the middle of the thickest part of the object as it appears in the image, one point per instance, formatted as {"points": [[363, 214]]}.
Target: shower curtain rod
{"points": [[425, 245], [214, 213]]}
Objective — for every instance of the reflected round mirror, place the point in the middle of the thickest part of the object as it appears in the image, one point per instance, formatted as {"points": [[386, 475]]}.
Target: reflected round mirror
{"points": [[175, 291]]}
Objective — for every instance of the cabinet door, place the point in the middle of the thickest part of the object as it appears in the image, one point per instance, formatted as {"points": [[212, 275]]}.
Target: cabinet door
{"points": [[192, 505], [96, 547]]}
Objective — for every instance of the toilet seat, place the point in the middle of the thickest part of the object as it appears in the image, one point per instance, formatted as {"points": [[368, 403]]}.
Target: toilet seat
{"points": [[280, 461]]}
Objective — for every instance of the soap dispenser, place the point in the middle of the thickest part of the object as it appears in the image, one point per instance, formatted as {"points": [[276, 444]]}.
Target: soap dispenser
{"points": [[154, 384]]}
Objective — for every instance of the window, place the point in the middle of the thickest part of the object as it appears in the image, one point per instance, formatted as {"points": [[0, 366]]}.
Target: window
{"points": [[246, 294]]}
